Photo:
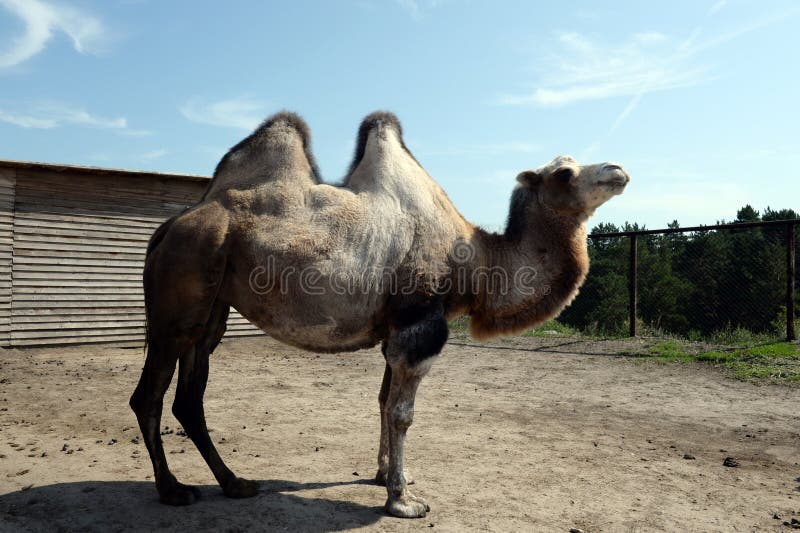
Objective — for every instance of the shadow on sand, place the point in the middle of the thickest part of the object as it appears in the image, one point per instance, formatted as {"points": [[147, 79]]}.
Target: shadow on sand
{"points": [[133, 506]]}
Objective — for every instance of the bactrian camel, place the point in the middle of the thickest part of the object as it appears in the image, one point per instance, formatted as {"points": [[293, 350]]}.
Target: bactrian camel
{"points": [[266, 221]]}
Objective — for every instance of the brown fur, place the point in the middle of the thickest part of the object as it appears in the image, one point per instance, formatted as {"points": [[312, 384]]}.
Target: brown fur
{"points": [[266, 221]]}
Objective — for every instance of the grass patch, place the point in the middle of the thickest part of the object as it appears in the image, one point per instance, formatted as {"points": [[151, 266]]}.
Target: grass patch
{"points": [[668, 351], [459, 325], [549, 328], [775, 361], [716, 357], [776, 349]]}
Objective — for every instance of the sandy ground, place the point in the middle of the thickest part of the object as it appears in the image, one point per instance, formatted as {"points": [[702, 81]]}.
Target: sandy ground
{"points": [[529, 434]]}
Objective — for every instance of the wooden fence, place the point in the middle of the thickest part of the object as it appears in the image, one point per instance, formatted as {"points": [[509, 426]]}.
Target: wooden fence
{"points": [[72, 247]]}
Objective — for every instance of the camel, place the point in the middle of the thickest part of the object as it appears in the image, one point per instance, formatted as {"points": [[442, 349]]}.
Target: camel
{"points": [[383, 257]]}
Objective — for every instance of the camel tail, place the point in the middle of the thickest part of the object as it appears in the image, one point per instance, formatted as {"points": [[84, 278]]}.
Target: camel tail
{"points": [[155, 240]]}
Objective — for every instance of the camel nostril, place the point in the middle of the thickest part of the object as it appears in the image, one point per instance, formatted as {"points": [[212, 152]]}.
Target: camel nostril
{"points": [[611, 166]]}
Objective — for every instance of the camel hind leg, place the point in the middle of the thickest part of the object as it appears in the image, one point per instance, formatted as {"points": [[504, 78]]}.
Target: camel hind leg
{"points": [[188, 405], [147, 402], [184, 270]]}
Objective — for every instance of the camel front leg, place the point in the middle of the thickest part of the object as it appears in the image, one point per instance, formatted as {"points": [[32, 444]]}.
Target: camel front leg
{"points": [[383, 447], [418, 334], [399, 413]]}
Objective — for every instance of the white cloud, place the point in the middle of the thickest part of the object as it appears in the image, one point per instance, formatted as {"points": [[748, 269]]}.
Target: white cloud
{"points": [[26, 121], [588, 70], [241, 112], [48, 115], [415, 8], [718, 6], [42, 20], [69, 115], [583, 69]]}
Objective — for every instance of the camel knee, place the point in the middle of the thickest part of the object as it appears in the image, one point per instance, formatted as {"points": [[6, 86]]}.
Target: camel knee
{"points": [[402, 416], [135, 402], [143, 405], [181, 411], [188, 413]]}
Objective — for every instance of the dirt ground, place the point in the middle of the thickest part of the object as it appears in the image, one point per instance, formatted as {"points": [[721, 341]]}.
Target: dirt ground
{"points": [[530, 434]]}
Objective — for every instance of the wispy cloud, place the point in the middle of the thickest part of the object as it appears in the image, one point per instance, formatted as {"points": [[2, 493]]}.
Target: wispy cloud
{"points": [[717, 6], [64, 114], [49, 115], [416, 8], [242, 112], [583, 69], [42, 20], [27, 121], [588, 70]]}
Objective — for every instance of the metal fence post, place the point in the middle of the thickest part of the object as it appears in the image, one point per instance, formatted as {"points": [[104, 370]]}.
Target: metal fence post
{"points": [[790, 274], [633, 284]]}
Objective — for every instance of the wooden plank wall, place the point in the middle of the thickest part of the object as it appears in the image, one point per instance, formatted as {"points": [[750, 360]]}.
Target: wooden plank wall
{"points": [[7, 180], [79, 243]]}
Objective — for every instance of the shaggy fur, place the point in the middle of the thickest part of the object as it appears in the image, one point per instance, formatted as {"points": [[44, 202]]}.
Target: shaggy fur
{"points": [[371, 121], [255, 141], [385, 258]]}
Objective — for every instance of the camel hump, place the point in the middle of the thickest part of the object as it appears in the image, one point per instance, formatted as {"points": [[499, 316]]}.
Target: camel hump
{"points": [[286, 119], [379, 120], [254, 155]]}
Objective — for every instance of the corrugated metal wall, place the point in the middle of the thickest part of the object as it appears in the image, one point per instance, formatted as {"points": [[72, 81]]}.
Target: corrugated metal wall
{"points": [[72, 247]]}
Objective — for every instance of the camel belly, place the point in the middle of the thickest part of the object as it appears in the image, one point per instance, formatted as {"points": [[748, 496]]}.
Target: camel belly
{"points": [[323, 339], [316, 323]]}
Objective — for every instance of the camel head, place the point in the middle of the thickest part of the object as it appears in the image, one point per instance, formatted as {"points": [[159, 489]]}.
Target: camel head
{"points": [[569, 188]]}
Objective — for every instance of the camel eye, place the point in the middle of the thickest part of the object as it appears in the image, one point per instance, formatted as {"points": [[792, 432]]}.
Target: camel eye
{"points": [[563, 175]]}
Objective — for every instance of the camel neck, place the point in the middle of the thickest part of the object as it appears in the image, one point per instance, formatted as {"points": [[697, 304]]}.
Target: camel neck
{"points": [[544, 257]]}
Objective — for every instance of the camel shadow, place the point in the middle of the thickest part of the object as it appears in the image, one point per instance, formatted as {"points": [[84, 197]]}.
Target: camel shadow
{"points": [[133, 506]]}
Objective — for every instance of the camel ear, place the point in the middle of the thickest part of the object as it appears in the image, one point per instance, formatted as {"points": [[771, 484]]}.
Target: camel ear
{"points": [[529, 178]]}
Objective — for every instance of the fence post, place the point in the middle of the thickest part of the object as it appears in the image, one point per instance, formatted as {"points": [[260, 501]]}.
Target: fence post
{"points": [[633, 284], [790, 274]]}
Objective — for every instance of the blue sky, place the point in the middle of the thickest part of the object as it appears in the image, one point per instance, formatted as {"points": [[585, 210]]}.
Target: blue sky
{"points": [[697, 99]]}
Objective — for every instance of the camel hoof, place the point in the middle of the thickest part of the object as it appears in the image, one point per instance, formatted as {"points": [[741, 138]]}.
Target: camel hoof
{"points": [[241, 488], [380, 478], [407, 506], [179, 494]]}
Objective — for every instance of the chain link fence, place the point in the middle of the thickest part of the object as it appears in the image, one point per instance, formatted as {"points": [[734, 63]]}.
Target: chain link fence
{"points": [[726, 284]]}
